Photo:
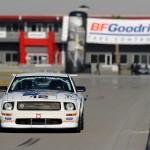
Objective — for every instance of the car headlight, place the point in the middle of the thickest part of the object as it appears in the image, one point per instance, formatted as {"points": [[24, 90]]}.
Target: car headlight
{"points": [[69, 106], [8, 106]]}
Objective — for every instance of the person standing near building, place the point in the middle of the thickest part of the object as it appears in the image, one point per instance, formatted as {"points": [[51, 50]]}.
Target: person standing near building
{"points": [[119, 69], [97, 69], [89, 67], [132, 69]]}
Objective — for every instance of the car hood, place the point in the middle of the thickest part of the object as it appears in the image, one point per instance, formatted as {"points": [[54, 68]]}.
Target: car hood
{"points": [[40, 95]]}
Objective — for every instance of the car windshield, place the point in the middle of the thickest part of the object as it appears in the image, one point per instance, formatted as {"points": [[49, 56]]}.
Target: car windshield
{"points": [[41, 83]]}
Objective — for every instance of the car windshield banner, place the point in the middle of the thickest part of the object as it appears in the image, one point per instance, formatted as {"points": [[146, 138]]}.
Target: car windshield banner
{"points": [[118, 31]]}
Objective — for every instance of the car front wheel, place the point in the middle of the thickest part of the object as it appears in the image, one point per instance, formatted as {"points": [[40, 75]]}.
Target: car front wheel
{"points": [[82, 121], [79, 128]]}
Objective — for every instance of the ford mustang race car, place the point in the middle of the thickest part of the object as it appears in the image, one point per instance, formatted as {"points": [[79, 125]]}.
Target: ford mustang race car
{"points": [[43, 100]]}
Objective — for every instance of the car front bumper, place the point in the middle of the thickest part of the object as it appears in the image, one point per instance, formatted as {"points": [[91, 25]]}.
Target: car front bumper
{"points": [[32, 119]]}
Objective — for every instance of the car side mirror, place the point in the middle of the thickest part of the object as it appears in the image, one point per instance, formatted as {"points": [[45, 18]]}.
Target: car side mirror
{"points": [[80, 88], [85, 97], [3, 88]]}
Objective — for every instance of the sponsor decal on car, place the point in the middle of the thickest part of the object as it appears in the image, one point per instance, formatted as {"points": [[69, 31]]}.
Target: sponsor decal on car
{"points": [[30, 93], [38, 115], [68, 121], [8, 118], [69, 118]]}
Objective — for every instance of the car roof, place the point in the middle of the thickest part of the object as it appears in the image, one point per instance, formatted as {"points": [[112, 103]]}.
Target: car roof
{"points": [[41, 74], [45, 74]]}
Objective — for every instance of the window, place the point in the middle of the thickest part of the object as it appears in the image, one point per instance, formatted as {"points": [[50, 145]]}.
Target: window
{"points": [[50, 27], [93, 58], [123, 59], [144, 59], [8, 57], [21, 27], [136, 59], [15, 27], [2, 27], [14, 57], [101, 58], [33, 27], [8, 27], [56, 28], [42, 82], [11, 57], [149, 59], [39, 27]]}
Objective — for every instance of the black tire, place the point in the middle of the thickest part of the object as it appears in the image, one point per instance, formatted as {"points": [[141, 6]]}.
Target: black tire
{"points": [[80, 124], [78, 129], [82, 121]]}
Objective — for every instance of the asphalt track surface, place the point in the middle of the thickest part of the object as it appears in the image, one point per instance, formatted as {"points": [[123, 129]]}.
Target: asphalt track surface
{"points": [[117, 117]]}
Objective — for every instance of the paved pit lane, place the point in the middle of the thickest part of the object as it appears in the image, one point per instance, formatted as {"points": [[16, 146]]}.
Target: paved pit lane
{"points": [[117, 116]]}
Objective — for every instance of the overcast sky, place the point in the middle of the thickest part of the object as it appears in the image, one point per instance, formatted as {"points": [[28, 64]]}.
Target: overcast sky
{"points": [[63, 7]]}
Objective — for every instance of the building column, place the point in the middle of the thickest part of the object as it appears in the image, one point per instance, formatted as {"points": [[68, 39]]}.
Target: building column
{"points": [[117, 54], [63, 55], [22, 48], [50, 48]]}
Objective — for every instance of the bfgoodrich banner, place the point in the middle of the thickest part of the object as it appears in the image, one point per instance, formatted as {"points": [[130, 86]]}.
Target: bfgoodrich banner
{"points": [[118, 31]]}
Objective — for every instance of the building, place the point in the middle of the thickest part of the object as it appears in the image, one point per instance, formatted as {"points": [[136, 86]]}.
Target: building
{"points": [[37, 40], [30, 39], [118, 40]]}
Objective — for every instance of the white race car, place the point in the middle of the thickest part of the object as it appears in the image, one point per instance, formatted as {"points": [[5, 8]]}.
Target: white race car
{"points": [[43, 100]]}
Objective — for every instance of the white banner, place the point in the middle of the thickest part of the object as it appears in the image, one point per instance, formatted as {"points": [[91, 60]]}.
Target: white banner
{"points": [[41, 35], [65, 27], [2, 34], [118, 31]]}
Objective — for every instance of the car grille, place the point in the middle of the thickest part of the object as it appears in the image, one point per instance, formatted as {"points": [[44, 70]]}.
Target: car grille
{"points": [[43, 121], [38, 106]]}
